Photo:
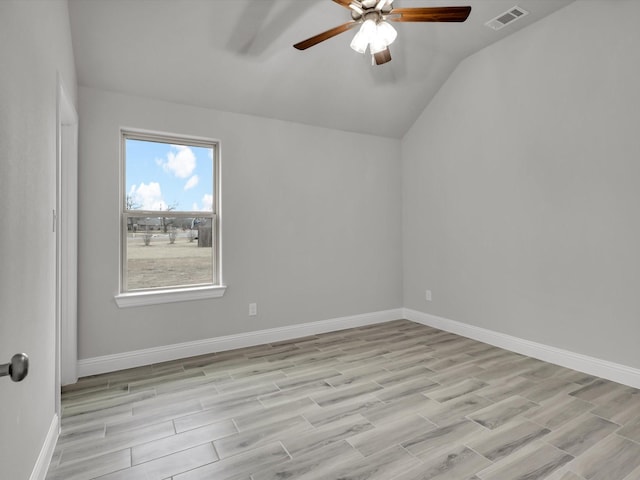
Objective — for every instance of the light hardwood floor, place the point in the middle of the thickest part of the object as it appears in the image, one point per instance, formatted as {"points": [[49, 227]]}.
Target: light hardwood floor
{"points": [[395, 401]]}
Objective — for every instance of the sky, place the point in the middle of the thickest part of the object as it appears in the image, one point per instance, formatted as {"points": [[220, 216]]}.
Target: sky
{"points": [[160, 175]]}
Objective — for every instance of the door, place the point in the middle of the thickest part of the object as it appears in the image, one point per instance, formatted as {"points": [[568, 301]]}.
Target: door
{"points": [[37, 265]]}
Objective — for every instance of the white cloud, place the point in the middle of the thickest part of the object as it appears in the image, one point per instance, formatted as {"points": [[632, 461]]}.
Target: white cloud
{"points": [[181, 162], [207, 202], [192, 182], [147, 196]]}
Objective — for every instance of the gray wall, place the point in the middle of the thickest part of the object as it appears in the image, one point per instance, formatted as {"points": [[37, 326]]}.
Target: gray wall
{"points": [[311, 225], [35, 44], [521, 186]]}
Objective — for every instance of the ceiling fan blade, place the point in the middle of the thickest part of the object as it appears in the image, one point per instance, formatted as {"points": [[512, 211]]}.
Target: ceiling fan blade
{"points": [[344, 3], [354, 5], [430, 14], [321, 37]]}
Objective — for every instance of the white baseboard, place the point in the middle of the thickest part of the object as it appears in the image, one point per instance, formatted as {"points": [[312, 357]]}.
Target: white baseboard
{"points": [[148, 356], [565, 358], [44, 459], [576, 361]]}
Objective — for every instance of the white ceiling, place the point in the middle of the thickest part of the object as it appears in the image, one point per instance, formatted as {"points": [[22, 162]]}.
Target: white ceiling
{"points": [[237, 55]]}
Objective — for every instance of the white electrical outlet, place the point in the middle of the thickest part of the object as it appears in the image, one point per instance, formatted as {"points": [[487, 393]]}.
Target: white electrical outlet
{"points": [[427, 295], [253, 309]]}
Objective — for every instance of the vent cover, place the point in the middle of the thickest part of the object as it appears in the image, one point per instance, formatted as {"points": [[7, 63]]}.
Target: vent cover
{"points": [[506, 18]]}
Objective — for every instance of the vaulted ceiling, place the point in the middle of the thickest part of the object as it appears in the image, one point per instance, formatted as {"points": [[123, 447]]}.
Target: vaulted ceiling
{"points": [[237, 56]]}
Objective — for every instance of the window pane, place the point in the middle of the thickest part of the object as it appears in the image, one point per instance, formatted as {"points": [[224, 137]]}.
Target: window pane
{"points": [[163, 176], [168, 252]]}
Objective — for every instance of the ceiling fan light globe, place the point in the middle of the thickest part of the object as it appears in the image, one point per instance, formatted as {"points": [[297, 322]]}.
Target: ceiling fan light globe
{"points": [[369, 29], [365, 35], [377, 45], [359, 43], [386, 32]]}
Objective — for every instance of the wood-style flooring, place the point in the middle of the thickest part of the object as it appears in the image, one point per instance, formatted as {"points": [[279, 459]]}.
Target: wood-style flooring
{"points": [[395, 401]]}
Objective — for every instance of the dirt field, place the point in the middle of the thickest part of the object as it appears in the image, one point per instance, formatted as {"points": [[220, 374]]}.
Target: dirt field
{"points": [[162, 264]]}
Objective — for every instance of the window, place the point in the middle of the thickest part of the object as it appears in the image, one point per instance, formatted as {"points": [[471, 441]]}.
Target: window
{"points": [[169, 218]]}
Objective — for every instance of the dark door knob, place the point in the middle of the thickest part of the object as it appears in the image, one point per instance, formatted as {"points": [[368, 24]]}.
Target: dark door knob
{"points": [[17, 369]]}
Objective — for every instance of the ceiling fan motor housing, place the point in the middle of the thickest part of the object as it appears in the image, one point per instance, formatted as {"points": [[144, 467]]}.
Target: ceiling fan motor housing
{"points": [[369, 10]]}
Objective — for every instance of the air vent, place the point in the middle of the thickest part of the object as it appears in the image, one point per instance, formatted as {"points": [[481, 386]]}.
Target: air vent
{"points": [[506, 18]]}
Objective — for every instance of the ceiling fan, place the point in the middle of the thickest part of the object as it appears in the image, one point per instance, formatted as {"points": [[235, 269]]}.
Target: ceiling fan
{"points": [[375, 31]]}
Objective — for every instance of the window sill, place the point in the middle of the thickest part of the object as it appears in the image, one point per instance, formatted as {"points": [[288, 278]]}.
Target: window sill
{"points": [[139, 299]]}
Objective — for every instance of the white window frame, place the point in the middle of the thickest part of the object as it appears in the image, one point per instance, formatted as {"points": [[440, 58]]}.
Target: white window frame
{"points": [[151, 296]]}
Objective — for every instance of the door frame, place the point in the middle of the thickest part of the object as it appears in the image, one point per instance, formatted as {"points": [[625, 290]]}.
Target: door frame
{"points": [[65, 224]]}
